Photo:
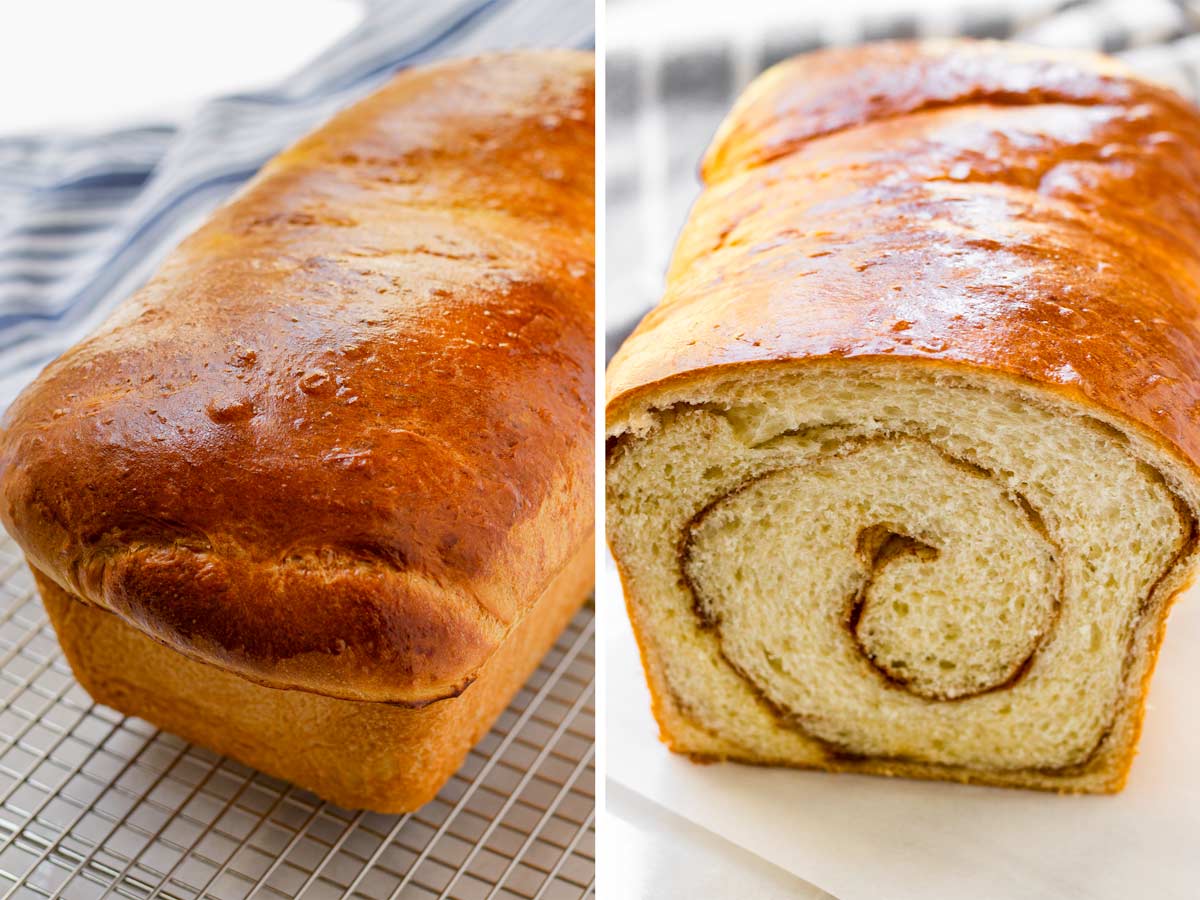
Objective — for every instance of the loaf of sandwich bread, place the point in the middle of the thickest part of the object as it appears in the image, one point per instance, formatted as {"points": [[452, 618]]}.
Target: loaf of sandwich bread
{"points": [[902, 471], [319, 496]]}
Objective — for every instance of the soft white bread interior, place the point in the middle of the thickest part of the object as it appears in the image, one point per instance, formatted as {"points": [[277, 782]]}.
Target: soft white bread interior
{"points": [[897, 568]]}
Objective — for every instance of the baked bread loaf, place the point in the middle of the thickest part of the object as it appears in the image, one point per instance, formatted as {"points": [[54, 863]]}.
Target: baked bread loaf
{"points": [[902, 471], [319, 496]]}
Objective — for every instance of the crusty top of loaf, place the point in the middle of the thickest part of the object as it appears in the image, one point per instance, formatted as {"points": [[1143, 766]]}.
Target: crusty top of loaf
{"points": [[341, 441], [969, 203]]}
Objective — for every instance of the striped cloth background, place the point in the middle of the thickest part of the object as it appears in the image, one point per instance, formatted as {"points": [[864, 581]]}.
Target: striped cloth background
{"points": [[84, 221], [666, 95]]}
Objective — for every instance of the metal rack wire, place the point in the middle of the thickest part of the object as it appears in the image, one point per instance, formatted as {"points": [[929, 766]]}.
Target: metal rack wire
{"points": [[93, 804]]}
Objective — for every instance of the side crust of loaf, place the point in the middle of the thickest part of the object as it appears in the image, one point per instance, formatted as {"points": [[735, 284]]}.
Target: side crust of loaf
{"points": [[359, 754]]}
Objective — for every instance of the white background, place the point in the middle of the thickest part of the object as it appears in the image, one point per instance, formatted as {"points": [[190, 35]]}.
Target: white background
{"points": [[97, 64]]}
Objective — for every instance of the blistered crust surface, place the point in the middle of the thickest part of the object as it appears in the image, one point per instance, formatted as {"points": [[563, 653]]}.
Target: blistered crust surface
{"points": [[342, 440]]}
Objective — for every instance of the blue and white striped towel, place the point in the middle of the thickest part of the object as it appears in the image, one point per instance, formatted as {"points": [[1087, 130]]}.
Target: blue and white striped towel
{"points": [[85, 221]]}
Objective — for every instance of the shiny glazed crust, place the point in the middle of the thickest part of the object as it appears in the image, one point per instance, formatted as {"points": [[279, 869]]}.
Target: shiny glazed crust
{"points": [[1030, 213], [946, 208], [341, 442], [362, 755]]}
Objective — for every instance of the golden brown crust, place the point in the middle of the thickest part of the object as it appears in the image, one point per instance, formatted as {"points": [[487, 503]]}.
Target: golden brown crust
{"points": [[1028, 214], [357, 754], [342, 440]]}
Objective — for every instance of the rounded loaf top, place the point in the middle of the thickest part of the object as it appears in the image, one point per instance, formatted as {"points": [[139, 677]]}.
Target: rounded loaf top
{"points": [[341, 441], [977, 204]]}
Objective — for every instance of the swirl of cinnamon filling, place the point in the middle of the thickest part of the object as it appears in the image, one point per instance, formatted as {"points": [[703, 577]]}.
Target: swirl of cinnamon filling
{"points": [[892, 569]]}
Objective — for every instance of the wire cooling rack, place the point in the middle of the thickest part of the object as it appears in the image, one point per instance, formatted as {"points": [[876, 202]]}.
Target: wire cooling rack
{"points": [[94, 804]]}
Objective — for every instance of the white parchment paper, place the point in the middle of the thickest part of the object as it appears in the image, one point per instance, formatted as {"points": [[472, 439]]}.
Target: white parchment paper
{"points": [[863, 838]]}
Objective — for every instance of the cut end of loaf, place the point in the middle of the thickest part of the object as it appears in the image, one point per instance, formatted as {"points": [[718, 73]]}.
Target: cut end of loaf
{"points": [[897, 569]]}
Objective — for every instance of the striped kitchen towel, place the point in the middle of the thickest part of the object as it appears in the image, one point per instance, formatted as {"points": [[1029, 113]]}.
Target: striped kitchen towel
{"points": [[670, 82], [85, 220]]}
